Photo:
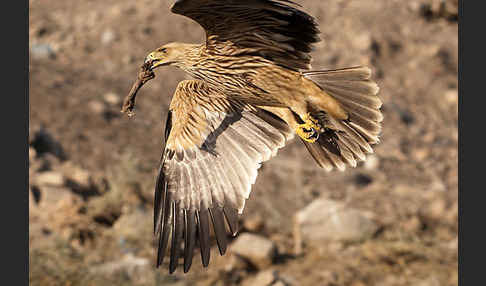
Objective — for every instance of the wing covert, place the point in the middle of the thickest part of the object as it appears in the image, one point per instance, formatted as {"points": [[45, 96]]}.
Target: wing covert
{"points": [[272, 29]]}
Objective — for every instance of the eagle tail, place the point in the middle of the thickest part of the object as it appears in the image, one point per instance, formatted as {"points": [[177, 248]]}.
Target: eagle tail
{"points": [[346, 142]]}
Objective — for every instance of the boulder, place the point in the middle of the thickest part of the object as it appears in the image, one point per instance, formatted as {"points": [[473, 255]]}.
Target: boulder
{"points": [[264, 278], [327, 220], [258, 250], [50, 179]]}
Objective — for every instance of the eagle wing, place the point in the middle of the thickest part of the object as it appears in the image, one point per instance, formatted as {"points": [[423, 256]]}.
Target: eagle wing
{"points": [[269, 28], [214, 147]]}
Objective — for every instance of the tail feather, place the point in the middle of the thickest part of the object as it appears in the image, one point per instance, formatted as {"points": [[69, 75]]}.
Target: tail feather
{"points": [[353, 137]]}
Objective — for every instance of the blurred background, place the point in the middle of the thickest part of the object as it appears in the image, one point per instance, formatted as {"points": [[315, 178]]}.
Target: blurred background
{"points": [[390, 221]]}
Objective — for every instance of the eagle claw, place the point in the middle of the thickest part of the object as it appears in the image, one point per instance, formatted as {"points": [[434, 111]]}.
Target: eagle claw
{"points": [[309, 131]]}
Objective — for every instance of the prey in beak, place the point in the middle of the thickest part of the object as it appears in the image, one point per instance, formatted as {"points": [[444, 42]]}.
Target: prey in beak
{"points": [[145, 74], [157, 58]]}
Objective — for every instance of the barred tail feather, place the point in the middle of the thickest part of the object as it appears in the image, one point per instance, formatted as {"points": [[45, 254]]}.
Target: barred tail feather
{"points": [[346, 142]]}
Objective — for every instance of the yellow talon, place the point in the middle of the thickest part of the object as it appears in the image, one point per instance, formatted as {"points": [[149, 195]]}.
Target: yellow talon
{"points": [[309, 131]]}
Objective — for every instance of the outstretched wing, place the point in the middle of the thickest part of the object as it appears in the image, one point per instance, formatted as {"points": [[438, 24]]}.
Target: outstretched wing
{"points": [[268, 28], [214, 147]]}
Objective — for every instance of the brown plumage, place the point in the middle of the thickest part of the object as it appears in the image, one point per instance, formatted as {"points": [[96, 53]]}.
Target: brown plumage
{"points": [[252, 90]]}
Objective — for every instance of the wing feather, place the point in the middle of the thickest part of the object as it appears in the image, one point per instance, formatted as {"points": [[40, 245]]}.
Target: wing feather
{"points": [[207, 175], [274, 29], [219, 228], [189, 238], [348, 141]]}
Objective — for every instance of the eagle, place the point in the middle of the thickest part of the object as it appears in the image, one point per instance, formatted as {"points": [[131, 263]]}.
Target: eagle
{"points": [[252, 90]]}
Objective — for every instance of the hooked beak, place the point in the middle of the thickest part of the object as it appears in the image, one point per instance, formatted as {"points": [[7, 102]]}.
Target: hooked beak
{"points": [[153, 60]]}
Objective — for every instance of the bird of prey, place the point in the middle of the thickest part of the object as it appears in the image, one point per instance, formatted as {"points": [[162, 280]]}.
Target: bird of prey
{"points": [[252, 89]]}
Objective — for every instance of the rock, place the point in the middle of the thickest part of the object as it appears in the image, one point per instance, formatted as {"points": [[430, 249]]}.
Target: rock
{"points": [[258, 250], [452, 96], [128, 264], [436, 210], [412, 225], [42, 51], [420, 154], [327, 220], [452, 214], [34, 199], [76, 175], [108, 37], [132, 228], [253, 223], [430, 281], [363, 40], [234, 262], [390, 280], [49, 178], [55, 210], [264, 278], [372, 162], [32, 154], [43, 142], [363, 180], [49, 197], [414, 6], [330, 277], [403, 189], [112, 98], [97, 106]]}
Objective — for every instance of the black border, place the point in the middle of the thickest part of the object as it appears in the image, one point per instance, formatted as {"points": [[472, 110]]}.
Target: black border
{"points": [[14, 210], [471, 209]]}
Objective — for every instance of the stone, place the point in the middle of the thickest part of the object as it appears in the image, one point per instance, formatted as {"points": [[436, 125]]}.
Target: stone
{"points": [[430, 281], [420, 154], [253, 223], [49, 178], [452, 96], [96, 106], [234, 262], [258, 250], [372, 162], [328, 220], [108, 37], [436, 210], [32, 154], [264, 278], [42, 51], [112, 98], [76, 175], [44, 143], [129, 264], [363, 40], [50, 197], [412, 225]]}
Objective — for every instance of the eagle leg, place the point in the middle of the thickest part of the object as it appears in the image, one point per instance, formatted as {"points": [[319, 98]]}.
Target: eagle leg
{"points": [[309, 130]]}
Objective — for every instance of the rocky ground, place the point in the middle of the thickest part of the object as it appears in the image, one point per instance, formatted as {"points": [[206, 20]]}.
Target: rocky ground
{"points": [[390, 221]]}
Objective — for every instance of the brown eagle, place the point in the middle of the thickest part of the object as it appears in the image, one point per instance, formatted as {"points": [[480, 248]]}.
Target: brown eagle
{"points": [[252, 89]]}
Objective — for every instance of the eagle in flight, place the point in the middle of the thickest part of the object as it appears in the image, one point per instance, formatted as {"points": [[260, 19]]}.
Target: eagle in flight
{"points": [[252, 90]]}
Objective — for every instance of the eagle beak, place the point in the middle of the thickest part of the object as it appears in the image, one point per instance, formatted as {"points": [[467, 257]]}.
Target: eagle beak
{"points": [[148, 59], [153, 60]]}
